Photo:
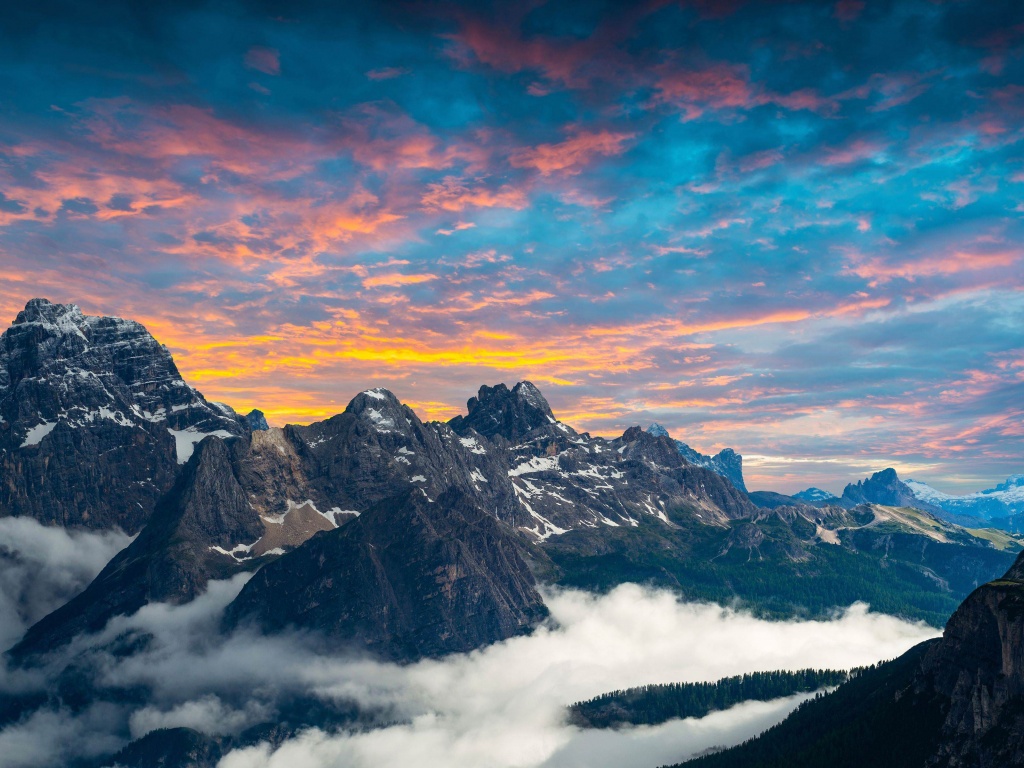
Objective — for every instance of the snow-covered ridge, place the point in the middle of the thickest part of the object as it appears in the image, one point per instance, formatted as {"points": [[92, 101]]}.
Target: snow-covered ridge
{"points": [[1005, 499]]}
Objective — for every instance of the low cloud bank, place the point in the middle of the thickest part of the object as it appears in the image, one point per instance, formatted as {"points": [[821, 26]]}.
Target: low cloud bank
{"points": [[501, 706], [504, 705], [42, 567]]}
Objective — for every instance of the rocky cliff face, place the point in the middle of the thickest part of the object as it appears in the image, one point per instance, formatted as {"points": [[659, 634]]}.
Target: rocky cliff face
{"points": [[726, 462], [511, 413], [189, 540], [411, 577], [95, 419], [979, 668]]}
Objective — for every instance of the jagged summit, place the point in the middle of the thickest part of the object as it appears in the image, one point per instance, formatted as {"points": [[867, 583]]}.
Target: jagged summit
{"points": [[94, 418], [257, 420], [1000, 504], [511, 413]]}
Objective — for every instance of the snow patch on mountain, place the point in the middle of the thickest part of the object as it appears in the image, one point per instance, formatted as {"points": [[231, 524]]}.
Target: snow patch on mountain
{"points": [[37, 433], [185, 440]]}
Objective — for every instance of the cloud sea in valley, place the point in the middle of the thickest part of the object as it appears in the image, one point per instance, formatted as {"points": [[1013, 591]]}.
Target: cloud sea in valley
{"points": [[500, 706]]}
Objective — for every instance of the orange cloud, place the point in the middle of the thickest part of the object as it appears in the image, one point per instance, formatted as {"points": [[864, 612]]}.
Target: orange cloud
{"points": [[878, 271], [571, 155], [396, 279], [455, 194]]}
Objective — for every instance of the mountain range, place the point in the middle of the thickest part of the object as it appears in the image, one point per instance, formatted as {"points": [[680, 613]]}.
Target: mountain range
{"points": [[403, 539]]}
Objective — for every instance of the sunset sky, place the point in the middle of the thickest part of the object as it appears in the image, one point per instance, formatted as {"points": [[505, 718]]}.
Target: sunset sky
{"points": [[791, 228]]}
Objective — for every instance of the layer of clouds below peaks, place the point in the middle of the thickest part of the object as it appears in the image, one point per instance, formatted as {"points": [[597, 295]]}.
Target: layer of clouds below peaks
{"points": [[42, 567], [500, 706]]}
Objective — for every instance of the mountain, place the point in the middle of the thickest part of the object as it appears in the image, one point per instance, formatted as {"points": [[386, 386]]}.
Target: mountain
{"points": [[954, 701], [772, 500], [186, 543], [726, 462], [1001, 505], [511, 413], [256, 420], [410, 578], [273, 489], [886, 488], [816, 496], [95, 419]]}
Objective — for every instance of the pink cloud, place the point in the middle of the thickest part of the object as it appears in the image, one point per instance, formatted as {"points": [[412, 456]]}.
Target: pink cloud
{"points": [[455, 194], [854, 152], [571, 155], [879, 271], [263, 59], [387, 73]]}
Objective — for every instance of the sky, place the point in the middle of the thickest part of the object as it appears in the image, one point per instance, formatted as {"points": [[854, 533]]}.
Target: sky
{"points": [[790, 228]]}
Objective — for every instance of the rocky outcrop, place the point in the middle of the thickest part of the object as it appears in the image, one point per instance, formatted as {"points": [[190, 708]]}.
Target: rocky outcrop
{"points": [[409, 578], [95, 419], [256, 420], [511, 413], [979, 668], [726, 462]]}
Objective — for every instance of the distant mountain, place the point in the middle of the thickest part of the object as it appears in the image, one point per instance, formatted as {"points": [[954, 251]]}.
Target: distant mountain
{"points": [[816, 496], [95, 420], [726, 462], [954, 701], [886, 488], [1000, 505], [772, 500]]}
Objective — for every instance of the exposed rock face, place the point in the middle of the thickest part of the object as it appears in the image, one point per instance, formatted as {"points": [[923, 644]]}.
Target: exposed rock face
{"points": [[979, 667], [94, 419], [887, 489], [510, 413], [726, 462], [563, 480], [409, 578], [256, 420], [205, 516]]}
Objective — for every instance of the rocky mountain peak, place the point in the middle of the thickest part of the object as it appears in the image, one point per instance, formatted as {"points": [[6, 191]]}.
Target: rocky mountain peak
{"points": [[257, 420], [885, 488], [511, 413], [657, 430], [381, 409], [94, 418], [45, 311]]}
